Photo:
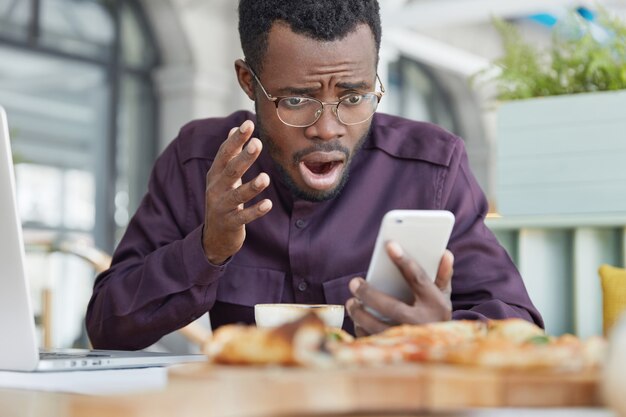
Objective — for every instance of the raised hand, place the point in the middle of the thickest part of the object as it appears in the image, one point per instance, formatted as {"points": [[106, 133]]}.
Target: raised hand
{"points": [[226, 215]]}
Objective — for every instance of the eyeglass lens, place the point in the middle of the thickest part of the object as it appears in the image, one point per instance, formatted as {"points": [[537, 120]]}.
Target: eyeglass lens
{"points": [[303, 111]]}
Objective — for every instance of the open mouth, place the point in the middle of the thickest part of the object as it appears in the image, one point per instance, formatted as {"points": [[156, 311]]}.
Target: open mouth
{"points": [[322, 170]]}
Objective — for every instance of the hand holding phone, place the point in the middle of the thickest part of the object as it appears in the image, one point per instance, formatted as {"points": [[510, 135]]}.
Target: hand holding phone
{"points": [[422, 234]]}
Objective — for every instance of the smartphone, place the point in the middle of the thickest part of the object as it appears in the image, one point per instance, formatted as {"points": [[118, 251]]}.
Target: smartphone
{"points": [[422, 234]]}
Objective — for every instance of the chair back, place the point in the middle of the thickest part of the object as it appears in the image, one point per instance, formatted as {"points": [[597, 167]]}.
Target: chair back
{"points": [[613, 281]]}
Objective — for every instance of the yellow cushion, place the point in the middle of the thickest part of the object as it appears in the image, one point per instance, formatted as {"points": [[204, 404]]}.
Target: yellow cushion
{"points": [[613, 281]]}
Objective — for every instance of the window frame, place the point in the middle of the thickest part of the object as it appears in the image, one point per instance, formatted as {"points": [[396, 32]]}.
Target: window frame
{"points": [[105, 231]]}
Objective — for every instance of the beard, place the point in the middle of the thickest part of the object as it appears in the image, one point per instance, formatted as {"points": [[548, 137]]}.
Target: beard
{"points": [[316, 145]]}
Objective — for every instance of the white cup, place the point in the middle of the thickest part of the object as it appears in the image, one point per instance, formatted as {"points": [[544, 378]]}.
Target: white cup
{"points": [[274, 315]]}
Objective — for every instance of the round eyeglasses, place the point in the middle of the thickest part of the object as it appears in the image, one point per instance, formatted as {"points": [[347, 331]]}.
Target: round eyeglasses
{"points": [[351, 109]]}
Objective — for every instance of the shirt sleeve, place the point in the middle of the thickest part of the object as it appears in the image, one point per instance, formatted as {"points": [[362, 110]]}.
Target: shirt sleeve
{"points": [[160, 279], [486, 284]]}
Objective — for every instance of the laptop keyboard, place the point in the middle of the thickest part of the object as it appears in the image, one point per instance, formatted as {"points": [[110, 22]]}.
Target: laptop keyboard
{"points": [[60, 355]]}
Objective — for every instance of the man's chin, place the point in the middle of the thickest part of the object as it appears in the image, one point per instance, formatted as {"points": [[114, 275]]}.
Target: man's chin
{"points": [[317, 195]]}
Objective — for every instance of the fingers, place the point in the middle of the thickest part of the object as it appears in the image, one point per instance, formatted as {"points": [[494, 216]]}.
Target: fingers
{"points": [[235, 156], [249, 214], [364, 322], [366, 298], [235, 215], [420, 283], [242, 194], [224, 188], [232, 146], [241, 162], [245, 192], [432, 299], [226, 194], [360, 332], [445, 272]]}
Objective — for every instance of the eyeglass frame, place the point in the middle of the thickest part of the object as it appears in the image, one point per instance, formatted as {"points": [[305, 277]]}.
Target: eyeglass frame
{"points": [[277, 99]]}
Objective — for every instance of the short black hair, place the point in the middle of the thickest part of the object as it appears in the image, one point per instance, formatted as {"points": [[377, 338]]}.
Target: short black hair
{"points": [[324, 20]]}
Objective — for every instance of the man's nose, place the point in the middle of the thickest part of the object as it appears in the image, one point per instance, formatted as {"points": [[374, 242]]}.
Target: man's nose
{"points": [[328, 126]]}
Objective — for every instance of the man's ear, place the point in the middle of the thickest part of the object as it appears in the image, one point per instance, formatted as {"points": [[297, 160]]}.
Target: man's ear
{"points": [[246, 81]]}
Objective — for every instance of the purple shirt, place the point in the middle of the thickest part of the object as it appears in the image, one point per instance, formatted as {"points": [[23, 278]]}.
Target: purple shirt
{"points": [[300, 252]]}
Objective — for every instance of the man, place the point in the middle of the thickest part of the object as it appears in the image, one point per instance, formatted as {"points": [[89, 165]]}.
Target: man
{"points": [[284, 206]]}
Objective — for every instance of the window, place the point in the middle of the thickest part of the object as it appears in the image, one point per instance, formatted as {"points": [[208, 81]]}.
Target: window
{"points": [[415, 94], [75, 79]]}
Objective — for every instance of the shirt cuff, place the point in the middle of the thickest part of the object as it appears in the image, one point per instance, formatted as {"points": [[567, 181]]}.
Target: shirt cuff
{"points": [[197, 267]]}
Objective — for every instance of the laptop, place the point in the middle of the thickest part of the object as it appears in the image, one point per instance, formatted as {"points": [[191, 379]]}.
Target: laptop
{"points": [[18, 349]]}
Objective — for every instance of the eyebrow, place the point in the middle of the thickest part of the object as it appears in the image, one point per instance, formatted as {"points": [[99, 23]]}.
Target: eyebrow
{"points": [[309, 91]]}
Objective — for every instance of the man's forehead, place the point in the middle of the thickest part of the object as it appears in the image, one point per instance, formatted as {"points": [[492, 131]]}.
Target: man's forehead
{"points": [[287, 48]]}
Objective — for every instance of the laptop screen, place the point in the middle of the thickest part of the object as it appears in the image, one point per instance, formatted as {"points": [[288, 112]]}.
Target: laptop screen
{"points": [[19, 348]]}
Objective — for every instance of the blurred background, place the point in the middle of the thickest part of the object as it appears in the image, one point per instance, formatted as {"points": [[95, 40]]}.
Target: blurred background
{"points": [[94, 89]]}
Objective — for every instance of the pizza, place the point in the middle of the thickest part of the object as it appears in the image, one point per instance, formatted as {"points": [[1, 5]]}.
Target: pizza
{"points": [[563, 353], [503, 344], [408, 343], [295, 343]]}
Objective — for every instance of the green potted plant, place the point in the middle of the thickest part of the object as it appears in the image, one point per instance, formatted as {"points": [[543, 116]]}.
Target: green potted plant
{"points": [[561, 120]]}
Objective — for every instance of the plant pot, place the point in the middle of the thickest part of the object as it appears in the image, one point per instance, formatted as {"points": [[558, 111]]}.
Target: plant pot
{"points": [[562, 155]]}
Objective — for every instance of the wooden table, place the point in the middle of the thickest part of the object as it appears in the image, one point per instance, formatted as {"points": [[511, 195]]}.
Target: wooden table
{"points": [[408, 390]]}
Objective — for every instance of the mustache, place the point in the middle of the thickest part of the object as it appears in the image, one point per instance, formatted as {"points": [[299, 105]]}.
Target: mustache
{"points": [[320, 147]]}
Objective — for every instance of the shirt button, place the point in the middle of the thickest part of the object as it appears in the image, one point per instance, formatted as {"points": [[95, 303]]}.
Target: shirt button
{"points": [[300, 223], [302, 286]]}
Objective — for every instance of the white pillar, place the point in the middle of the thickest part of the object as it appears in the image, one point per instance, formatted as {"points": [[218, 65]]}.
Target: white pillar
{"points": [[199, 43], [544, 262]]}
